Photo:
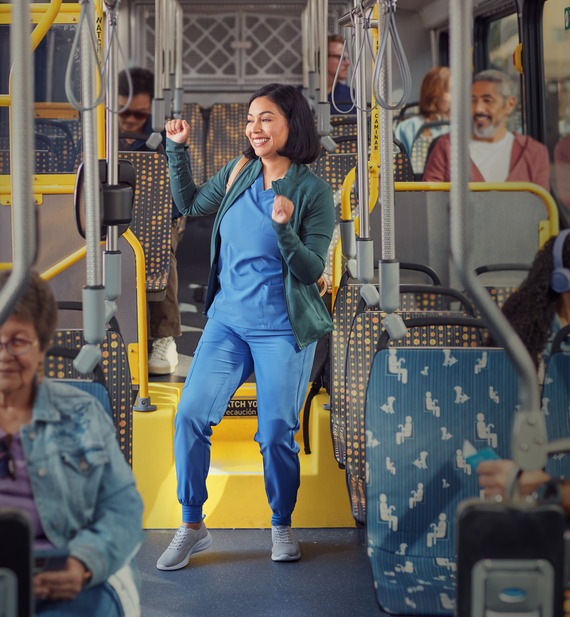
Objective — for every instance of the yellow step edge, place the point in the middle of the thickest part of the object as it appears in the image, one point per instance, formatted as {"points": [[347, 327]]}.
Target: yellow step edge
{"points": [[235, 483]]}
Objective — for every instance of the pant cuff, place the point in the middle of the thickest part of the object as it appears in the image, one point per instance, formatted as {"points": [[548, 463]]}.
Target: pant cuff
{"points": [[192, 514]]}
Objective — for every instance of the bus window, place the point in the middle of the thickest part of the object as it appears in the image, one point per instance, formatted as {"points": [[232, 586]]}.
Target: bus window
{"points": [[57, 126], [503, 39], [556, 37]]}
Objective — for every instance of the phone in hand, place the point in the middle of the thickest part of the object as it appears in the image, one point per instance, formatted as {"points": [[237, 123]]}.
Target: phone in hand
{"points": [[50, 559]]}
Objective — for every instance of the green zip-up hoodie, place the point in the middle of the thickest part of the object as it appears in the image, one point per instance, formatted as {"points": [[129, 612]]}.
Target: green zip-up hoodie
{"points": [[303, 241]]}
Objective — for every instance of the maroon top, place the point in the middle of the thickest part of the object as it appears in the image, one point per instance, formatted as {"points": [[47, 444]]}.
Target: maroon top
{"points": [[529, 162]]}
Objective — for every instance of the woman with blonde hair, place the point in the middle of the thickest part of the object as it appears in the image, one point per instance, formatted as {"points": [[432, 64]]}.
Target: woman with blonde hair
{"points": [[434, 104]]}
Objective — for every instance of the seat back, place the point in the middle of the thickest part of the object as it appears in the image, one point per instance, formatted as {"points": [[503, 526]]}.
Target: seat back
{"points": [[343, 125], [345, 307], [193, 114], [96, 389], [510, 559], [421, 404], [117, 376], [152, 215], [501, 280], [403, 171], [333, 168], [46, 159], [438, 329], [422, 140], [407, 111], [556, 408], [226, 135], [493, 216], [62, 140]]}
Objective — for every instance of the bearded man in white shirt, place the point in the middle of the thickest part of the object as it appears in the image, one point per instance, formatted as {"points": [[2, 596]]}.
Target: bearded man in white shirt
{"points": [[497, 154]]}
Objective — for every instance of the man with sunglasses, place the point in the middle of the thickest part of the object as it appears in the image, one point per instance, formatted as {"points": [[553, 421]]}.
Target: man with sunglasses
{"points": [[135, 122]]}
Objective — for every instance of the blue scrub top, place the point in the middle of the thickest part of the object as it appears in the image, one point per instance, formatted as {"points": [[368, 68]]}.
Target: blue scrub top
{"points": [[250, 273]]}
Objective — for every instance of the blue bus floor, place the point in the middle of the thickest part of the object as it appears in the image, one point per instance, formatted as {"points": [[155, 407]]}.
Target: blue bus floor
{"points": [[236, 577]]}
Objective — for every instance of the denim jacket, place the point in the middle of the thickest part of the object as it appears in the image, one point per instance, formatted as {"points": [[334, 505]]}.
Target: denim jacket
{"points": [[303, 241], [83, 488]]}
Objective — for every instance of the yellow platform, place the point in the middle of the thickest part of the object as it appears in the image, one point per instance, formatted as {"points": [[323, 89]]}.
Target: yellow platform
{"points": [[235, 483]]}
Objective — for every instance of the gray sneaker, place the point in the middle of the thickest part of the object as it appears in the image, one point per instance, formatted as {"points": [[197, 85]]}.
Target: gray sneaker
{"points": [[285, 545], [186, 542]]}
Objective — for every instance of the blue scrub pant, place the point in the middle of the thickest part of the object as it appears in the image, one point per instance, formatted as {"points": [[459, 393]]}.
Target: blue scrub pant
{"points": [[224, 359]]}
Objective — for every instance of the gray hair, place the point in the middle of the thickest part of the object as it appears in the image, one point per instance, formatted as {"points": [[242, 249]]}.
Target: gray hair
{"points": [[505, 85]]}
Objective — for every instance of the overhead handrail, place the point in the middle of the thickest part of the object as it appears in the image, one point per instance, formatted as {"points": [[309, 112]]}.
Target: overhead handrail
{"points": [[112, 256], [178, 102], [390, 34], [358, 251], [162, 59], [357, 50], [85, 28], [158, 103], [167, 75], [362, 144], [389, 271], [370, 176], [323, 107], [312, 51], [24, 246], [93, 292], [345, 50], [369, 181], [305, 47]]}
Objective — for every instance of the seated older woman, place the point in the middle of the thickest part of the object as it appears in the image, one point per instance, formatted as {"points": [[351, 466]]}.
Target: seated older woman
{"points": [[61, 463]]}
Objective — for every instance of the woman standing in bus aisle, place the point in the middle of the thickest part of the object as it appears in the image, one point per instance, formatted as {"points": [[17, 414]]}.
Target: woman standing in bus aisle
{"points": [[537, 311], [435, 100], [270, 237], [60, 462]]}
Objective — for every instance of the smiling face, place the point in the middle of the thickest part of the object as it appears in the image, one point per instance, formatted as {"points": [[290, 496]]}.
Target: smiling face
{"points": [[490, 111], [267, 128], [17, 373]]}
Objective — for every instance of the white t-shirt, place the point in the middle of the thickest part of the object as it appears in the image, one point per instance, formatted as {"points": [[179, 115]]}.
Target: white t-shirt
{"points": [[492, 158]]}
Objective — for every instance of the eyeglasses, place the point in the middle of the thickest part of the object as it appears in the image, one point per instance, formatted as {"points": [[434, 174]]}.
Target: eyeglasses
{"points": [[18, 346], [7, 467], [344, 58], [138, 115]]}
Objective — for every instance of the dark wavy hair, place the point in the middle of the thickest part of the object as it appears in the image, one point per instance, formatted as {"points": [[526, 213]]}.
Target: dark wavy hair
{"points": [[142, 80], [531, 309], [303, 144]]}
